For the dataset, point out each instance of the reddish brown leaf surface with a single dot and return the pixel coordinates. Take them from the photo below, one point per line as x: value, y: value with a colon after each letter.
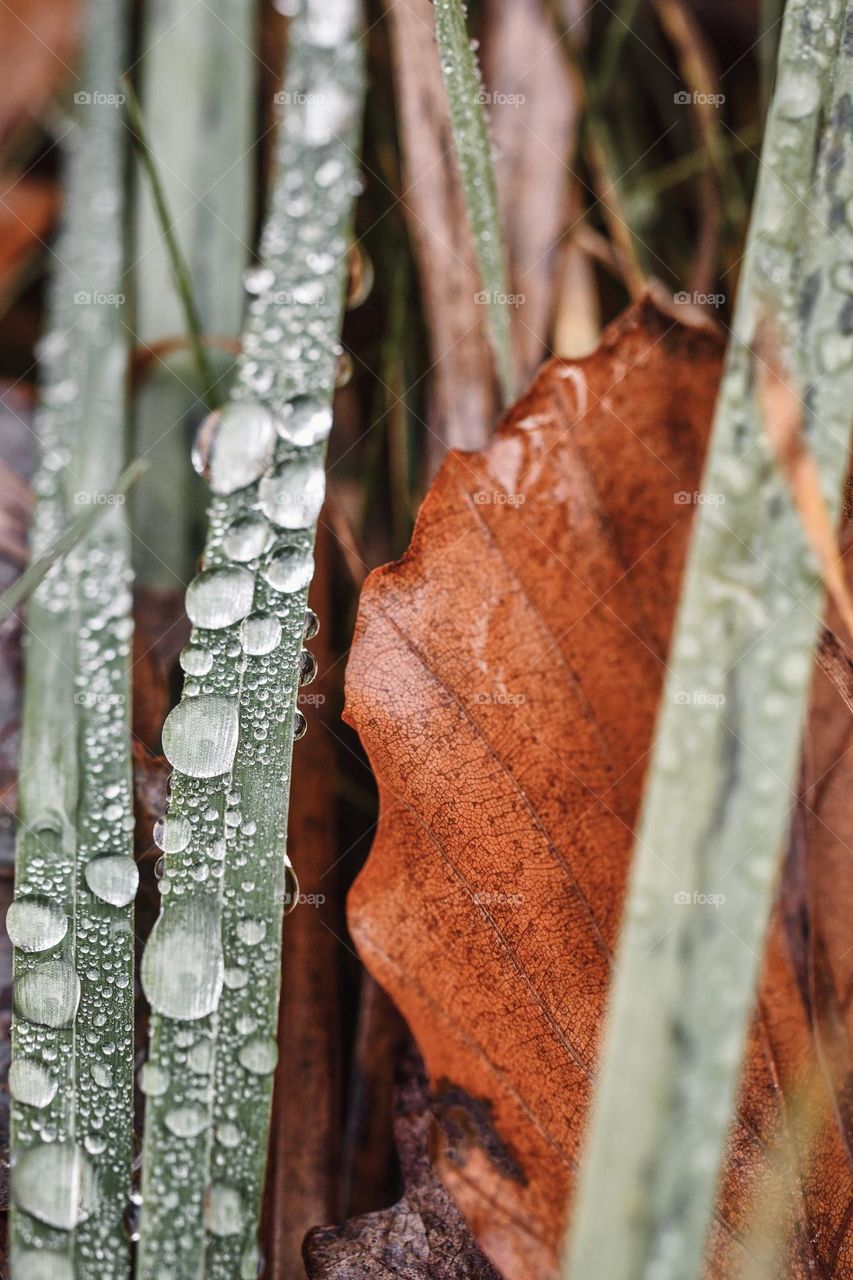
x: 504, y: 680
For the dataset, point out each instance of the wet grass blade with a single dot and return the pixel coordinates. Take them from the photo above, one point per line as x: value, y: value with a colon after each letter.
x: 71, y: 922
x: 465, y: 97
x: 211, y: 966
x: 37, y: 570
x: 196, y: 82
x: 718, y: 798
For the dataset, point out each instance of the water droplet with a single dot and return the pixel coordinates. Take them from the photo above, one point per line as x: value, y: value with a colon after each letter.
x: 360, y: 279
x: 234, y: 446
x: 196, y: 660
x: 95, y: 1143
x: 311, y: 626
x: 101, y: 1075
x: 219, y: 597
x: 182, y: 964
x: 153, y: 1080
x: 224, y: 1212
x: 343, y: 369
x: 258, y: 279
x: 31, y: 1083
x: 798, y: 96
x: 113, y: 879
x: 48, y: 994
x: 259, y: 1056
x: 292, y: 495
x: 305, y: 421
x: 55, y: 1184
x: 307, y: 667
x: 200, y: 736
x: 172, y: 833
x: 290, y: 567
x: 300, y: 726
x: 186, y: 1122
x: 228, y: 1135
x: 251, y: 931
x: 34, y: 923
x: 246, y: 539
x: 42, y: 1264
x: 260, y: 633
x: 200, y: 1057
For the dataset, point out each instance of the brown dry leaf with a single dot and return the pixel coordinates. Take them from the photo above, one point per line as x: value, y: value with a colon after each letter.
x: 422, y: 1237
x: 38, y: 41
x: 29, y: 208
x: 504, y: 680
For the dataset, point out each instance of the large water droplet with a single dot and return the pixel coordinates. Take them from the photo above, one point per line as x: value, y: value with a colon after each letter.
x: 259, y: 1056
x: 200, y: 735
x: 219, y: 597
x: 182, y: 965
x: 113, y: 879
x: 235, y: 446
x: 292, y: 495
x: 260, y: 633
x: 41, y: 1264
x: 172, y: 833
x: 48, y: 994
x: 55, y: 1183
x: 153, y: 1080
x: 305, y: 421
x: 311, y: 626
x: 196, y: 660
x: 34, y: 923
x: 246, y: 539
x: 251, y: 931
x: 186, y: 1122
x: 290, y: 567
x: 224, y: 1213
x: 31, y: 1083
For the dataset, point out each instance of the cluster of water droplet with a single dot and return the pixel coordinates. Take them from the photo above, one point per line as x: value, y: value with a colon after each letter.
x: 211, y: 967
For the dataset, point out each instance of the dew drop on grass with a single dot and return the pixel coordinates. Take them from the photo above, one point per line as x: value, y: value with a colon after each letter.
x: 219, y: 597
x: 290, y: 567
x: 260, y: 633
x: 311, y: 626
x: 186, y: 1122
x: 172, y: 833
x: 305, y: 421
x: 258, y: 279
x: 113, y: 879
x: 251, y: 931
x: 228, y: 1135
x: 41, y: 1264
x: 34, y: 923
x: 102, y: 1075
x: 48, y: 994
x: 292, y: 495
x: 200, y: 1057
x: 54, y: 1183
x: 31, y: 1083
x: 196, y: 660
x: 153, y: 1080
x: 259, y: 1056
x: 307, y: 667
x: 224, y: 1212
x: 244, y: 540
x: 200, y: 735
x: 234, y: 446
x: 182, y: 964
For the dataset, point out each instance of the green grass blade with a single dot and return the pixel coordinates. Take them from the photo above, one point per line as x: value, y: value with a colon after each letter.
x: 68, y: 538
x: 211, y: 967
x: 465, y: 96
x: 71, y: 1075
x: 197, y: 89
x: 718, y: 799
